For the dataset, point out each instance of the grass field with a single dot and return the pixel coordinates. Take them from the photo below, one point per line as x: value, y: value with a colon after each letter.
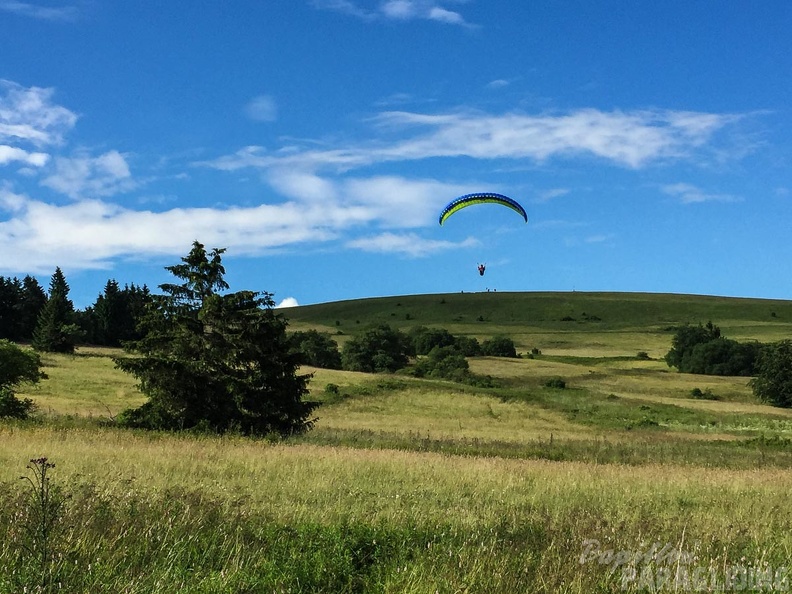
x: 613, y: 484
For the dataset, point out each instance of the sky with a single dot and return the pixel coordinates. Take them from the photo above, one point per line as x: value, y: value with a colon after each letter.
x: 317, y: 141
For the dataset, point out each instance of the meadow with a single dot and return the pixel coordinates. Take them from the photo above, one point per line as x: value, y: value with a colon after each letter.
x: 621, y: 481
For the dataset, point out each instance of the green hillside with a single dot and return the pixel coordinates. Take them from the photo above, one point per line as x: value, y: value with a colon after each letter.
x: 548, y: 310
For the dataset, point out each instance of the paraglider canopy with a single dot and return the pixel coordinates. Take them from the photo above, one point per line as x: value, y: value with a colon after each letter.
x: 481, y: 198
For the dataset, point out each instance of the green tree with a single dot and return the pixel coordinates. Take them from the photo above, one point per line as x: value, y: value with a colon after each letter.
x: 378, y: 349
x: 445, y: 362
x: 10, y: 298
x: 17, y: 366
x: 110, y: 313
x: 468, y: 345
x: 702, y: 349
x: 55, y: 329
x: 316, y: 349
x: 214, y: 361
x: 33, y: 301
x: 424, y: 339
x: 499, y: 346
x: 773, y: 381
x: 686, y: 338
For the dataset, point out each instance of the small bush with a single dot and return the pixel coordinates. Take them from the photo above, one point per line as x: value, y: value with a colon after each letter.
x: 555, y: 382
x: 642, y: 356
x: 705, y: 395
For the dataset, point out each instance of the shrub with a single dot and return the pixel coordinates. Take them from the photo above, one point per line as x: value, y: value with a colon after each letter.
x: 499, y: 346
x: 443, y: 362
x: 380, y: 348
x: 555, y: 382
x: 703, y: 395
x: 17, y: 366
x: 424, y: 339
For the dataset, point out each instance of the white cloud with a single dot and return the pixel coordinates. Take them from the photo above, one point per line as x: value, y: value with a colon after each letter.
x: 548, y: 195
x: 343, y: 6
x: 498, y: 83
x: 409, y: 244
x: 302, y: 185
x: 9, y: 154
x: 262, y: 109
x: 396, y: 10
x: 389, y: 201
x: 690, y: 194
x: 90, y: 233
x: 28, y: 115
x: 85, y: 176
x: 629, y: 139
x: 442, y: 15
x: 399, y: 9
x: 599, y: 238
x: 287, y: 302
x: 63, y: 13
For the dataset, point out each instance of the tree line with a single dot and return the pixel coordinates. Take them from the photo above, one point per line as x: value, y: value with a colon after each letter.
x: 703, y: 350
x: 423, y: 351
x: 50, y: 322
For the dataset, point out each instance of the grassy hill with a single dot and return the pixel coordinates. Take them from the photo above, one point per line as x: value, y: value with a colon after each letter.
x: 546, y: 310
x: 418, y: 485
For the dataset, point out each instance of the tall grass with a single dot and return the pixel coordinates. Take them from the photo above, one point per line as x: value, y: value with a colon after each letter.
x: 175, y: 514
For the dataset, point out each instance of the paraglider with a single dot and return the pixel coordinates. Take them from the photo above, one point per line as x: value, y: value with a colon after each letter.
x: 481, y: 198
x: 461, y: 202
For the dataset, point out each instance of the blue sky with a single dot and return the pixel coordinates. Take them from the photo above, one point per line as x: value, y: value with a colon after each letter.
x: 317, y: 140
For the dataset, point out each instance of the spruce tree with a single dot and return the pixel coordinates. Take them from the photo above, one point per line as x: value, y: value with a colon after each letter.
x: 55, y: 329
x: 214, y: 361
x: 33, y: 300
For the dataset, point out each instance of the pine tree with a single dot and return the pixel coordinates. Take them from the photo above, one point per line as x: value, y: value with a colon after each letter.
x: 33, y: 300
x: 110, y: 313
x: 214, y: 361
x: 55, y: 329
x: 10, y: 298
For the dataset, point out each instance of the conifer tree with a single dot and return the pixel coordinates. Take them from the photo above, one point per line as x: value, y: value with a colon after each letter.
x: 215, y: 361
x: 55, y: 329
x: 33, y: 300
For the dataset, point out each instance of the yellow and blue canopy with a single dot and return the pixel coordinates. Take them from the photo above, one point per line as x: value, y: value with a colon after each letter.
x: 481, y: 198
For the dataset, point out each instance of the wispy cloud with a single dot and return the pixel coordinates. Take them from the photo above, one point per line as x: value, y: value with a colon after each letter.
x: 548, y: 195
x: 47, y: 13
x: 690, y: 194
x: 27, y: 115
x: 85, y: 176
x: 396, y: 10
x: 408, y: 244
x: 599, y: 238
x: 630, y: 139
x: 262, y: 109
x: 498, y: 83
x: 91, y: 233
x: 9, y: 154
